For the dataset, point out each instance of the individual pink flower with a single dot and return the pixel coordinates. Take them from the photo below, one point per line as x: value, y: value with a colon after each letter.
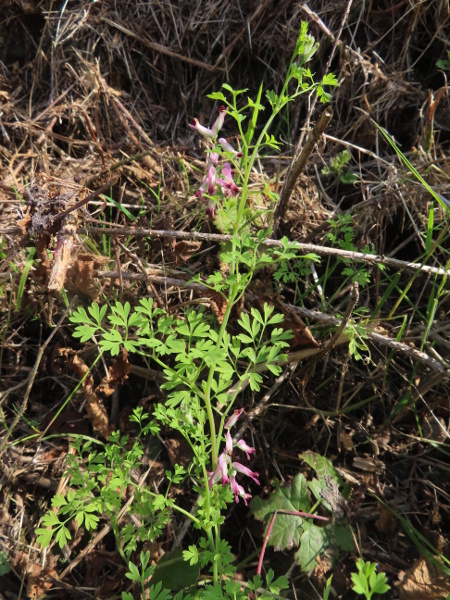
x: 245, y: 471
x: 210, y: 209
x: 221, y: 471
x: 207, y: 187
x: 229, y: 443
x: 210, y: 133
x: 204, y: 131
x: 229, y: 148
x: 234, y: 417
x: 226, y: 182
x: 213, y: 159
x: 242, y: 445
x: 208, y: 183
x: 218, y: 123
x: 239, y: 492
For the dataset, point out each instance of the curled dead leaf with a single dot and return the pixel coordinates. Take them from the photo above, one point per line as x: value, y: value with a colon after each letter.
x: 94, y: 406
x: 218, y: 305
x: 185, y: 249
x: 117, y: 374
x: 81, y: 274
x: 302, y: 335
x: 39, y: 580
x: 423, y: 581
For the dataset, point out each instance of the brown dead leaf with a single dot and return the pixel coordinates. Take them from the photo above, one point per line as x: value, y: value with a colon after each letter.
x: 185, y: 249
x: 387, y: 522
x: 423, y: 581
x: 302, y: 335
x: 39, y: 580
x: 95, y: 567
x: 94, y: 406
x: 118, y: 372
x: 81, y: 274
x: 179, y: 451
x: 24, y: 223
x: 368, y: 463
x: 346, y: 440
x: 218, y: 305
x: 324, y: 564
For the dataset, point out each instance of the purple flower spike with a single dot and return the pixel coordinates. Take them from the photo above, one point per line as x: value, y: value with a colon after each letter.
x: 242, y: 445
x: 229, y: 148
x: 245, y: 471
x: 234, y: 417
x: 226, y: 470
x: 204, y: 131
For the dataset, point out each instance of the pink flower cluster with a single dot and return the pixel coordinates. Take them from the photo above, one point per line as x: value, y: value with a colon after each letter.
x: 227, y: 469
x: 216, y: 175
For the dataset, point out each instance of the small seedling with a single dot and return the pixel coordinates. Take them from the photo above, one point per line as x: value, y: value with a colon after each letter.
x: 339, y: 166
x: 366, y: 582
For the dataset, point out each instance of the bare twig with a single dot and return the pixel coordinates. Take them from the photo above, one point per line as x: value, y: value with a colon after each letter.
x: 353, y: 300
x: 83, y: 202
x: 298, y: 164
x: 159, y: 48
x: 377, y: 338
x: 371, y: 259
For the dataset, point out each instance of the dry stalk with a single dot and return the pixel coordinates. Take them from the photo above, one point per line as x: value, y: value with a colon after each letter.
x: 298, y: 164
x: 371, y: 259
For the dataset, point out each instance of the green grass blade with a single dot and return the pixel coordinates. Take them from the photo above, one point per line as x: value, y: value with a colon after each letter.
x: 413, y: 170
x: 24, y: 277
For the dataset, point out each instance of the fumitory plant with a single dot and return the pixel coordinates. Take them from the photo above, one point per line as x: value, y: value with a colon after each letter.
x: 206, y: 364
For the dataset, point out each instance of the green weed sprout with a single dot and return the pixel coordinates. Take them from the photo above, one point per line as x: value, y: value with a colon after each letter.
x: 366, y: 582
x: 339, y: 166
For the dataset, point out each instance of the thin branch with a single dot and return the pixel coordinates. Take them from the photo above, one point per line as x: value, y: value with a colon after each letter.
x: 371, y: 259
x: 298, y: 164
x: 296, y: 168
x: 81, y: 203
x: 352, y: 302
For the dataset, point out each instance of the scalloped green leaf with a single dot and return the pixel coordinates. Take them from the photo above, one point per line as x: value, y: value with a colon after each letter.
x: 287, y: 529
